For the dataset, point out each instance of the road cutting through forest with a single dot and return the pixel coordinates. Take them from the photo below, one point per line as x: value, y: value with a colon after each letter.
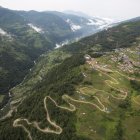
x: 57, y: 129
x: 13, y: 108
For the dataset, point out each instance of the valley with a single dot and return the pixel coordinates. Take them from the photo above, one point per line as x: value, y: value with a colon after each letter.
x: 85, y: 90
x: 21, y: 32
x: 89, y: 94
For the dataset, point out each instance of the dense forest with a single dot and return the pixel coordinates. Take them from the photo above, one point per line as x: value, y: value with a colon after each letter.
x: 60, y: 80
x: 121, y: 36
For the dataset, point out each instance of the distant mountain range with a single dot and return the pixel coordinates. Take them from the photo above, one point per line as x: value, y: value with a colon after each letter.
x: 59, y: 26
x: 24, y: 36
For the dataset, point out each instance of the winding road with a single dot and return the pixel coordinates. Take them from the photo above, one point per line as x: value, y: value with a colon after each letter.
x: 57, y: 129
x: 114, y: 81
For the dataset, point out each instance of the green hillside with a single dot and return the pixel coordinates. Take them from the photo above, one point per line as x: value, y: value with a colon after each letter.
x: 27, y: 36
x: 53, y: 26
x: 18, y: 49
x: 24, y: 36
x: 88, y: 90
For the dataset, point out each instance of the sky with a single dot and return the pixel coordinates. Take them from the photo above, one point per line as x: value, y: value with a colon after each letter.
x: 114, y: 9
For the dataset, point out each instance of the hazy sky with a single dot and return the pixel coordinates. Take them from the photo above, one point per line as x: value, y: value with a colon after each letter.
x: 116, y: 9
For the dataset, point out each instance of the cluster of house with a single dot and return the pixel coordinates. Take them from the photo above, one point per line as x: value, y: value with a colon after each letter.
x: 125, y: 64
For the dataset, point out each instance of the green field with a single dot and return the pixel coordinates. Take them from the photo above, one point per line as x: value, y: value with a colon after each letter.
x: 95, y: 124
x: 1, y: 98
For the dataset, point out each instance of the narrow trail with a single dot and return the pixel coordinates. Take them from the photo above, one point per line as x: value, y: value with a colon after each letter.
x: 119, y: 96
x: 114, y: 81
x: 103, y: 108
x: 130, y: 78
x: 13, y: 108
x: 15, y: 124
x: 58, y: 130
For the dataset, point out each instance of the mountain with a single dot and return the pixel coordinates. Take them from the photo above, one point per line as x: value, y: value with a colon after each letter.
x: 64, y: 25
x: 83, y: 91
x: 84, y: 25
x: 20, y: 45
x: 26, y: 35
x: 52, y: 25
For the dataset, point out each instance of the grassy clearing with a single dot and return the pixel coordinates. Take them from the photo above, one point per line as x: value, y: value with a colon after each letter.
x: 98, y: 125
x: 132, y: 128
x: 136, y: 102
x: 1, y: 98
x: 95, y: 124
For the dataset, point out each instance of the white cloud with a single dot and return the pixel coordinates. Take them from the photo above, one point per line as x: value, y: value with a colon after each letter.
x: 4, y: 33
x: 37, y: 29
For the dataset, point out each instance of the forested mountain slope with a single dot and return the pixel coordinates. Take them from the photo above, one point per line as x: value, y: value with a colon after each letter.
x: 88, y: 90
x: 121, y: 36
x: 24, y: 36
x: 61, y: 26
x: 83, y: 26
x: 20, y: 45
x: 52, y: 25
